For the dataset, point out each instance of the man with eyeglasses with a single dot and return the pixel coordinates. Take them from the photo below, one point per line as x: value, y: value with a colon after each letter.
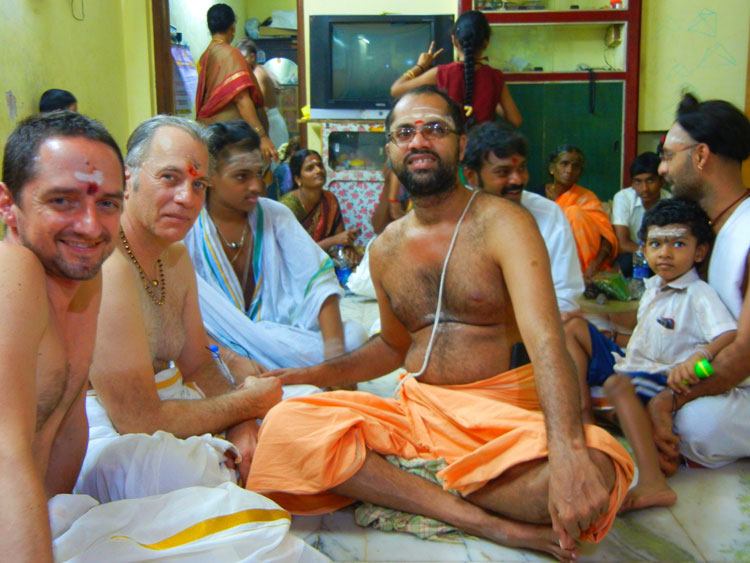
x: 523, y: 478
x: 629, y: 205
x: 702, y: 159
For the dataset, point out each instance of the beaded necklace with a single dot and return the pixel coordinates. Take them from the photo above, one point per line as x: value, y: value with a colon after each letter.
x: 148, y: 284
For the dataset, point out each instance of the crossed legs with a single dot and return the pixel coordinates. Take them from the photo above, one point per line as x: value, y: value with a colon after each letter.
x: 519, y: 495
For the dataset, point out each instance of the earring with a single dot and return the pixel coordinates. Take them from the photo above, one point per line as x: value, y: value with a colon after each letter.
x: 700, y: 166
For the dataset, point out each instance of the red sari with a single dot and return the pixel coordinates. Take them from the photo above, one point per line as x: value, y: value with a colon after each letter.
x: 322, y: 221
x: 222, y: 75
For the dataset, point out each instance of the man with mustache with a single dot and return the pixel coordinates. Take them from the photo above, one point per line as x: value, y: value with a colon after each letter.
x: 495, y: 161
x: 525, y: 479
x: 702, y: 160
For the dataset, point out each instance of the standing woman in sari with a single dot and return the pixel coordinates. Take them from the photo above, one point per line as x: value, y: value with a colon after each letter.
x: 318, y: 209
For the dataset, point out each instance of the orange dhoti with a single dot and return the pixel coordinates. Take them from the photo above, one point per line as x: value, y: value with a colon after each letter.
x: 311, y: 444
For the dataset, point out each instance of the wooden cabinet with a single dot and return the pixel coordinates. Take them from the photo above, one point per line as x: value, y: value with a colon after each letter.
x: 574, y: 75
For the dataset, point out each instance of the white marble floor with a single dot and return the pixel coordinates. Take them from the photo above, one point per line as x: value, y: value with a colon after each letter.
x: 710, y: 522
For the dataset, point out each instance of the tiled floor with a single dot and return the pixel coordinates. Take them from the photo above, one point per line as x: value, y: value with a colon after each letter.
x: 710, y: 522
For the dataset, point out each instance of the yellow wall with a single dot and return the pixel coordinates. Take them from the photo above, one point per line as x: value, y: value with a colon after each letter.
x: 262, y: 9
x: 138, y: 43
x: 691, y: 44
x: 44, y: 46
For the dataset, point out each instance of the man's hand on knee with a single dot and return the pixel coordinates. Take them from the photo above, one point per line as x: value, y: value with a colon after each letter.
x: 245, y: 438
x: 578, y: 494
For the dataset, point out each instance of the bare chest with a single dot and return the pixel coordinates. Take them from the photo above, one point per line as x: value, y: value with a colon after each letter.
x: 164, y: 324
x: 473, y: 293
x: 63, y: 362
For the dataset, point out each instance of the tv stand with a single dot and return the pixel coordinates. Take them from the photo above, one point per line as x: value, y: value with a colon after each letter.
x: 348, y: 114
x: 353, y: 152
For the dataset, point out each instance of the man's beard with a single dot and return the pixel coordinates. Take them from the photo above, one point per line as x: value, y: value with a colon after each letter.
x: 440, y: 180
x: 57, y: 265
x: 688, y: 190
x: 688, y: 186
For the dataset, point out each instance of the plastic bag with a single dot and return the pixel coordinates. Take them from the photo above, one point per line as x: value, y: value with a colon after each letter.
x: 613, y: 284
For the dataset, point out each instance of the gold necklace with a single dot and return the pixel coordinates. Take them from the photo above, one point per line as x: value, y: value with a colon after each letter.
x: 234, y: 245
x: 148, y: 284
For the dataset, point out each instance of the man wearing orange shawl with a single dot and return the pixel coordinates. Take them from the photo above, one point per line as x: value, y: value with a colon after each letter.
x: 527, y: 472
x: 226, y: 88
x: 595, y: 238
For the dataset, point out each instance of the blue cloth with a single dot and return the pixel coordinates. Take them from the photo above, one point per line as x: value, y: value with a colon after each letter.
x: 602, y: 362
x: 647, y: 384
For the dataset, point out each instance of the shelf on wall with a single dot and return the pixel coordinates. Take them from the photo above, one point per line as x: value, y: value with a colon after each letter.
x: 537, y: 48
x: 519, y: 6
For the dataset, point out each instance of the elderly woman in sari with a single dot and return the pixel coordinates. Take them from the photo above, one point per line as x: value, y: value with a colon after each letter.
x: 266, y: 290
x: 316, y: 208
x: 595, y: 238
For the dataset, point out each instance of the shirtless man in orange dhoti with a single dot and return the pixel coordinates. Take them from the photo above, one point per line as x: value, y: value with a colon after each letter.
x: 528, y: 472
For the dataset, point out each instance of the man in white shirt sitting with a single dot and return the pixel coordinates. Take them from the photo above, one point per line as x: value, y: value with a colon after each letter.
x: 631, y: 203
x: 495, y: 161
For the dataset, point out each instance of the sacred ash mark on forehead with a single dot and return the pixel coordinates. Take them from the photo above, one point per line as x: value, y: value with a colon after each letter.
x: 424, y: 114
x: 667, y: 232
x: 244, y: 159
x: 93, y: 179
x: 677, y: 135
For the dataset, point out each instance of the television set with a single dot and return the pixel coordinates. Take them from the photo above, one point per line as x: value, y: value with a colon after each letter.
x: 355, y: 59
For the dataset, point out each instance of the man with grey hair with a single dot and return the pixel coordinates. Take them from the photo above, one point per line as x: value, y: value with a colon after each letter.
x: 61, y: 197
x: 152, y: 368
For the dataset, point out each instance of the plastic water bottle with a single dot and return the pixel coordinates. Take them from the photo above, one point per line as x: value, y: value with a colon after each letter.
x: 640, y: 273
x: 343, y: 268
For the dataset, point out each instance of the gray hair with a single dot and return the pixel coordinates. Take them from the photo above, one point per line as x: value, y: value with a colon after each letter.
x: 140, y: 139
x: 247, y: 46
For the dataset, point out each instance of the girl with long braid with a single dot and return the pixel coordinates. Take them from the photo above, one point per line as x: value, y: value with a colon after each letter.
x: 478, y: 87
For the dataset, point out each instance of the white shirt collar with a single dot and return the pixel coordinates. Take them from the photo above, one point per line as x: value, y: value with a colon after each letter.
x: 678, y: 283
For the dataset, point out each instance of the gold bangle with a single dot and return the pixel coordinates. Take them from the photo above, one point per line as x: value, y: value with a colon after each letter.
x: 409, y: 74
x: 260, y: 131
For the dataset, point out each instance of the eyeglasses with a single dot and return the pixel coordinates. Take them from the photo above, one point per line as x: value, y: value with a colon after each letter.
x: 667, y: 156
x: 432, y: 131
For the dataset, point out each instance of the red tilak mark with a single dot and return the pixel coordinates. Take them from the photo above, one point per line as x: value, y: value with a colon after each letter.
x: 92, y: 189
x: 192, y: 171
x: 418, y: 121
x: 515, y: 160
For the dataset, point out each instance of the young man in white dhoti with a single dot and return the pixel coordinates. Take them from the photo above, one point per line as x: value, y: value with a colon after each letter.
x: 266, y: 289
x: 61, y: 198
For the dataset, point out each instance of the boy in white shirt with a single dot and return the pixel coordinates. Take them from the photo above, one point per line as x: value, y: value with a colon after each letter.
x: 681, y: 323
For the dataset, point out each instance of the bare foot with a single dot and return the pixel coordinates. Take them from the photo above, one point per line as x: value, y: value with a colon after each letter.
x: 644, y: 496
x: 529, y: 536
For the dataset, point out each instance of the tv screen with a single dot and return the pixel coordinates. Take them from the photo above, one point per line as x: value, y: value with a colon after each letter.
x: 355, y: 59
x: 367, y: 57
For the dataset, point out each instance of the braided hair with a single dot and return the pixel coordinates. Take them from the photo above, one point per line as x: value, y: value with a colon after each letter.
x: 471, y: 31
